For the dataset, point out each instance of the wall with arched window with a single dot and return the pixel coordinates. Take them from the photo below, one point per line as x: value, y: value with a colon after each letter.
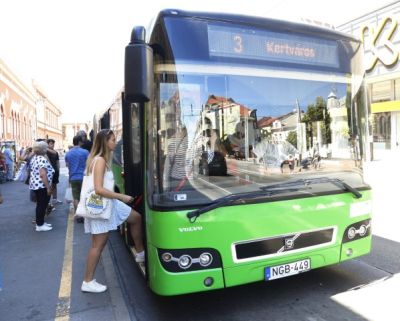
x: 382, y: 133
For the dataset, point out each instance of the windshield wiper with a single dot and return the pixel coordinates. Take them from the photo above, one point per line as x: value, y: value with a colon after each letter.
x: 319, y: 180
x: 264, y: 192
x: 270, y: 190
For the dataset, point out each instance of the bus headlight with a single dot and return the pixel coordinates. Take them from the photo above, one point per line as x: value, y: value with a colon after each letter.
x: 167, y: 257
x: 351, y: 233
x: 205, y: 259
x: 362, y: 230
x: 357, y: 230
x: 183, y: 260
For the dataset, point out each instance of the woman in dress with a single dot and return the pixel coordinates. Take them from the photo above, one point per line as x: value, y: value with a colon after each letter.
x: 41, y: 175
x: 99, y: 163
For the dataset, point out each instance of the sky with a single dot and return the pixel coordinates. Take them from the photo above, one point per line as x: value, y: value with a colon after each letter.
x: 74, y: 49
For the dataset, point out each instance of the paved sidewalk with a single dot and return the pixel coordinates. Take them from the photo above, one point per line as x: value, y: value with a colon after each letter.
x: 383, y: 176
x: 33, y: 278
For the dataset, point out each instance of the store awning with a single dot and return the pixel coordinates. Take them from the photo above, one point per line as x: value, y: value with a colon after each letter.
x: 386, y: 106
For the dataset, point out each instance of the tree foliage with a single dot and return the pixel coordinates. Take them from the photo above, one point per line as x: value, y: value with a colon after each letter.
x: 292, y: 138
x: 317, y: 112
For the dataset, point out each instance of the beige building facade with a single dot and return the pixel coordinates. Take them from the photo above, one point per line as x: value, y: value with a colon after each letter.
x: 48, y: 118
x: 26, y: 112
x: 18, y: 119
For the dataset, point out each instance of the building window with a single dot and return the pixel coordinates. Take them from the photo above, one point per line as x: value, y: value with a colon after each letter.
x: 13, y: 125
x: 18, y: 127
x: 2, y: 123
x: 382, y: 127
x: 397, y: 89
x: 25, y: 130
x: 382, y: 91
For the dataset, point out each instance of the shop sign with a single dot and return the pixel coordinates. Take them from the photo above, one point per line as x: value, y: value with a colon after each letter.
x: 379, y: 44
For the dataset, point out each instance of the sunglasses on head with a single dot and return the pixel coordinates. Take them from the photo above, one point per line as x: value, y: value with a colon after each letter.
x: 107, y: 131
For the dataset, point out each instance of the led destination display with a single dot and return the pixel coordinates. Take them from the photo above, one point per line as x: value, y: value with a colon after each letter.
x: 224, y: 41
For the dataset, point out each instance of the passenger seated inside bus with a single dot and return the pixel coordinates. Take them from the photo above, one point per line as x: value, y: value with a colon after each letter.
x: 175, y: 162
x: 212, y: 156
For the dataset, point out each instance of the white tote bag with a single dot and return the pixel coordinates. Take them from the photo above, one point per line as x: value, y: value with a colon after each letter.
x: 68, y: 195
x: 92, y: 205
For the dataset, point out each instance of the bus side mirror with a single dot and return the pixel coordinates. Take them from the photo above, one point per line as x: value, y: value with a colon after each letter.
x: 138, y: 68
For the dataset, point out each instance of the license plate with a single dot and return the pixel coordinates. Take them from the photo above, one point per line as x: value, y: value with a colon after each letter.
x: 284, y: 270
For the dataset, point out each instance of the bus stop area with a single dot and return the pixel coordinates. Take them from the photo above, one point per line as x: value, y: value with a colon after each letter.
x: 41, y: 272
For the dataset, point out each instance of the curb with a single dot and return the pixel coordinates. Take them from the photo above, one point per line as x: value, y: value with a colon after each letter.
x: 119, y: 307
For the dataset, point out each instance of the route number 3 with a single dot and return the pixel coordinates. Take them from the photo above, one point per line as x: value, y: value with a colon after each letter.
x: 238, y: 44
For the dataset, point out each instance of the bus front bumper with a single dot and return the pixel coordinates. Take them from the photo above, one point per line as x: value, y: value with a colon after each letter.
x: 167, y: 283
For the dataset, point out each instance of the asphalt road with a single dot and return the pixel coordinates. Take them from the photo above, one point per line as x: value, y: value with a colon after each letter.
x: 362, y: 289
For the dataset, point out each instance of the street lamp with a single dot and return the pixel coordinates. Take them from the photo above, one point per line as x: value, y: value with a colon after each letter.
x: 299, y: 131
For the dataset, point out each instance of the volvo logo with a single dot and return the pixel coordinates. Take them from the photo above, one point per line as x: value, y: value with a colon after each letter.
x: 288, y: 243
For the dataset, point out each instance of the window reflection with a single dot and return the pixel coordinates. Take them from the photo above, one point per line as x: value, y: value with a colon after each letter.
x: 238, y: 132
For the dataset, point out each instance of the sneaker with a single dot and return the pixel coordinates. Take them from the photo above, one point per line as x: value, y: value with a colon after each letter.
x: 48, y: 224
x: 140, y: 257
x: 43, y: 228
x: 55, y: 202
x: 93, y: 287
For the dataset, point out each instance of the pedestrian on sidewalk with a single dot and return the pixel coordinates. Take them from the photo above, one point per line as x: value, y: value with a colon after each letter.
x: 55, y: 162
x: 27, y: 156
x: 75, y: 160
x: 99, y: 163
x: 41, y: 176
x: 3, y: 168
x: 86, y: 143
x: 9, y: 159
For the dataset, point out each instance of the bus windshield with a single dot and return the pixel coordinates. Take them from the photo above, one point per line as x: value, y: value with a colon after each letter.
x: 234, y: 127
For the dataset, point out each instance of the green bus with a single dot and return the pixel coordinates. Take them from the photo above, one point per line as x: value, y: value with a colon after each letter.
x: 243, y: 140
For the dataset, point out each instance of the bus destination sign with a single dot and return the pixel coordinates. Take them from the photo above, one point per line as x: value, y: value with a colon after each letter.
x: 246, y: 43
